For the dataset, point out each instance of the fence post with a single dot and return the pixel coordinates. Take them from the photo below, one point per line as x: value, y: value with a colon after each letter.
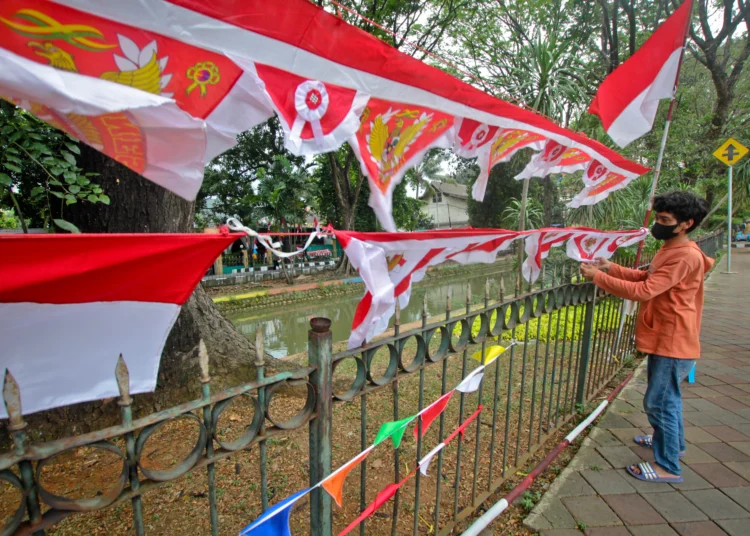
x: 245, y: 259
x: 320, y: 347
x: 583, y: 363
x: 219, y: 266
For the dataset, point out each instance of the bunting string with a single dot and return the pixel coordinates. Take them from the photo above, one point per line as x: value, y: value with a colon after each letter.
x: 275, y: 520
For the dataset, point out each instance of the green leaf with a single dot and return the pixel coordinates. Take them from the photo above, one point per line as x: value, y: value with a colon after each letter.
x: 13, y: 158
x: 56, y: 171
x: 104, y: 199
x: 93, y: 198
x: 83, y: 181
x: 54, y: 182
x: 73, y: 148
x: 11, y: 150
x: 97, y: 190
x: 74, y: 189
x: 37, y: 191
x: 70, y: 199
x: 5, y: 180
x: 67, y: 226
x: 69, y: 157
x: 12, y: 167
x: 59, y: 195
x: 70, y: 177
x: 15, y: 137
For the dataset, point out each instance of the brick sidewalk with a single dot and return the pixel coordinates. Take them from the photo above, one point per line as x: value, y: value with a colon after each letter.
x: 595, y: 495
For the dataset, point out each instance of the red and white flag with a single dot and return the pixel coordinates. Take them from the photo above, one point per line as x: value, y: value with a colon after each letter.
x: 389, y: 263
x: 628, y: 99
x: 590, y: 246
x: 71, y: 304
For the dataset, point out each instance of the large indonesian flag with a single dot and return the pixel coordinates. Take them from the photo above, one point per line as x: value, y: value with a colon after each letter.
x: 628, y: 98
x: 163, y: 86
x: 71, y: 304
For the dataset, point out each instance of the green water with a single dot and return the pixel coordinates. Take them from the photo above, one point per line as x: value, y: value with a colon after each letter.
x: 285, y: 329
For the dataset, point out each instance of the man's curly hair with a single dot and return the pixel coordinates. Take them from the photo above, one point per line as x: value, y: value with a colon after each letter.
x: 683, y: 206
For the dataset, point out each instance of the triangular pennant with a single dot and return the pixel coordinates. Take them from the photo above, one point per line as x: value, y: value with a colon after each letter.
x: 334, y: 484
x: 395, y: 430
x: 430, y: 413
x: 471, y: 382
x: 462, y: 428
x: 379, y: 501
x: 275, y: 520
x: 424, y: 463
x: 490, y: 354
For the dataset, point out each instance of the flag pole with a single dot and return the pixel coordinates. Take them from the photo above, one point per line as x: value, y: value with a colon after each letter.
x: 665, y: 134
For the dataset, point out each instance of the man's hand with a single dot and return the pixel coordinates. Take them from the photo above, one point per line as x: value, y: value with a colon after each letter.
x: 602, y: 264
x: 588, y: 271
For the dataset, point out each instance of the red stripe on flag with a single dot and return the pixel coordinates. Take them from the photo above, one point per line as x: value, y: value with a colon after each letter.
x: 403, y: 285
x: 363, y: 307
x: 84, y: 268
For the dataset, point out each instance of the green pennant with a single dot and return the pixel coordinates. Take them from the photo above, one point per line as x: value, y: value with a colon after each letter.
x: 395, y: 430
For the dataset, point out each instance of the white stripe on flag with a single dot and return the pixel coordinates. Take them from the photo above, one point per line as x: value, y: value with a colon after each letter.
x: 66, y: 354
x: 424, y: 463
x: 472, y: 381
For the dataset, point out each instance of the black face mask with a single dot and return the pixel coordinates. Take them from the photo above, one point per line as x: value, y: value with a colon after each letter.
x: 663, y: 232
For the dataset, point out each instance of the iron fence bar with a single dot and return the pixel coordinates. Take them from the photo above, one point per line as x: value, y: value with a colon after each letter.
x: 262, y: 446
x: 507, y: 403
x: 126, y: 411
x: 480, y: 397
x: 320, y: 345
x: 546, y: 361
x: 523, y: 391
x: 417, y: 477
x: 441, y: 433
x: 363, y: 445
x: 600, y: 312
x: 210, y: 467
x: 498, y: 319
x: 554, y: 369
x: 562, y: 359
x: 536, y: 367
x: 585, y: 352
x: 461, y: 407
x: 615, y: 304
x: 396, y: 452
x: 568, y: 378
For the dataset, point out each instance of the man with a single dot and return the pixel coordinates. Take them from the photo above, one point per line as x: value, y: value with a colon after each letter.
x: 668, y: 325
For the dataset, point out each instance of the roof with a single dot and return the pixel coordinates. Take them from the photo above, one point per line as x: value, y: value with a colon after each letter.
x: 451, y: 190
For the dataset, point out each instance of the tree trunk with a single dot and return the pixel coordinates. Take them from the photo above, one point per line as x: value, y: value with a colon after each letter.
x: 140, y: 206
x: 548, y: 200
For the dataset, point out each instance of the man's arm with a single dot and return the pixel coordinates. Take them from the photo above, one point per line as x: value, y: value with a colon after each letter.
x: 663, y: 278
x: 626, y: 274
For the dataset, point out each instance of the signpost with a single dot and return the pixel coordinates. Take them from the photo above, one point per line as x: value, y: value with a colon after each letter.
x: 730, y: 153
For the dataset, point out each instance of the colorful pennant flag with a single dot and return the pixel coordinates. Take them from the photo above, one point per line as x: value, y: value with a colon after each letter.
x: 587, y: 247
x: 461, y: 429
x: 431, y: 412
x: 395, y: 430
x: 472, y: 381
x: 424, y: 463
x: 334, y: 484
x: 275, y: 520
x: 490, y: 354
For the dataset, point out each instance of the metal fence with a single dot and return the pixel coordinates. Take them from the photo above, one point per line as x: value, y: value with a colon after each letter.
x: 567, y: 341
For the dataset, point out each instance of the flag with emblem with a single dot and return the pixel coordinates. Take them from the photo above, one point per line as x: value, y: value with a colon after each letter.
x: 587, y: 247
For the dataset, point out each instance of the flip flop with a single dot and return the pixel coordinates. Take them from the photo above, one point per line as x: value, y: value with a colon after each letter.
x: 648, y: 442
x: 648, y: 474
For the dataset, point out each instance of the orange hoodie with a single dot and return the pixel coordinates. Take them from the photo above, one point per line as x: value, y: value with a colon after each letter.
x: 671, y: 296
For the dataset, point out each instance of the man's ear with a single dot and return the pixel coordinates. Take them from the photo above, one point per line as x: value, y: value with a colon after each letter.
x: 688, y: 224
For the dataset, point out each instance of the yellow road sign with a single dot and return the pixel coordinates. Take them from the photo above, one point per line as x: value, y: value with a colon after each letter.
x: 731, y: 152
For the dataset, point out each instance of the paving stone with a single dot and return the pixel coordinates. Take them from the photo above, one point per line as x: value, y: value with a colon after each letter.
x: 732, y: 390
x: 592, y: 511
x: 742, y: 413
x: 619, y: 457
x: 557, y: 515
x: 633, y: 509
x: 652, y: 530
x: 742, y: 446
x: 604, y: 438
x: 644, y: 453
x: 723, y: 453
x: 739, y: 495
x: 704, y: 528
x: 639, y: 420
x: 702, y: 419
x: 696, y: 454
x: 611, y: 420
x: 743, y: 429
x: 621, y: 407
x: 741, y: 468
x: 717, y: 505
x: 609, y: 482
x: 608, y: 531
x: 626, y: 435
x: 674, y: 507
x: 561, y: 532
x: 536, y: 521
x: 726, y: 433
x: 708, y: 381
x: 643, y: 487
x: 704, y: 392
x: 691, y: 480
x: 573, y: 486
x: 586, y: 458
x: 734, y: 527
x: 697, y: 435
x: 732, y: 379
x: 724, y: 416
x: 728, y: 403
x: 719, y: 475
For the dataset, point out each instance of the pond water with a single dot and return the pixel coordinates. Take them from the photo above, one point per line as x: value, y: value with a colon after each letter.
x: 285, y: 329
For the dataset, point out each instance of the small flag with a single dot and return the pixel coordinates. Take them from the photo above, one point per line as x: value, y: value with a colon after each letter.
x: 472, y: 381
x: 395, y: 430
x: 461, y: 429
x: 275, y: 520
x: 379, y: 501
x: 490, y: 354
x: 431, y: 412
x: 334, y: 484
x: 424, y: 463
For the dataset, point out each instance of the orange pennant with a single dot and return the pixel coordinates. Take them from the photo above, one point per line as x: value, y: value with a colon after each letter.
x: 334, y: 484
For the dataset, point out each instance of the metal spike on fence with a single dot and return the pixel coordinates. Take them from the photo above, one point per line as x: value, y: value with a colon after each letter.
x: 397, y: 314
x: 502, y: 288
x: 554, y: 276
x: 544, y: 275
x: 259, y: 350
x: 123, y: 381
x: 487, y: 289
x: 203, y: 361
x: 12, y: 399
x: 448, y: 300
x: 468, y: 294
x: 424, y: 305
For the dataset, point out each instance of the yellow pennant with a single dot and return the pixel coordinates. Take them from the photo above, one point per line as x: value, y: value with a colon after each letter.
x: 490, y: 354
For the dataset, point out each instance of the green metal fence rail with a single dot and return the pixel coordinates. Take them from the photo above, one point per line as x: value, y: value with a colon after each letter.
x: 570, y: 342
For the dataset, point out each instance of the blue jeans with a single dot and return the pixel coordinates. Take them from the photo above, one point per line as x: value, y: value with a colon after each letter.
x: 663, y: 405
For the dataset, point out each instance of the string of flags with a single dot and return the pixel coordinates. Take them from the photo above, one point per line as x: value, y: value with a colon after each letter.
x: 275, y: 520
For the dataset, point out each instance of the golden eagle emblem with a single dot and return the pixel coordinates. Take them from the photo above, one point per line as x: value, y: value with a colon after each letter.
x: 390, y: 138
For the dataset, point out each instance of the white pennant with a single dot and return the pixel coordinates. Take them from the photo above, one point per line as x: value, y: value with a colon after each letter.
x: 472, y: 381
x: 424, y: 463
